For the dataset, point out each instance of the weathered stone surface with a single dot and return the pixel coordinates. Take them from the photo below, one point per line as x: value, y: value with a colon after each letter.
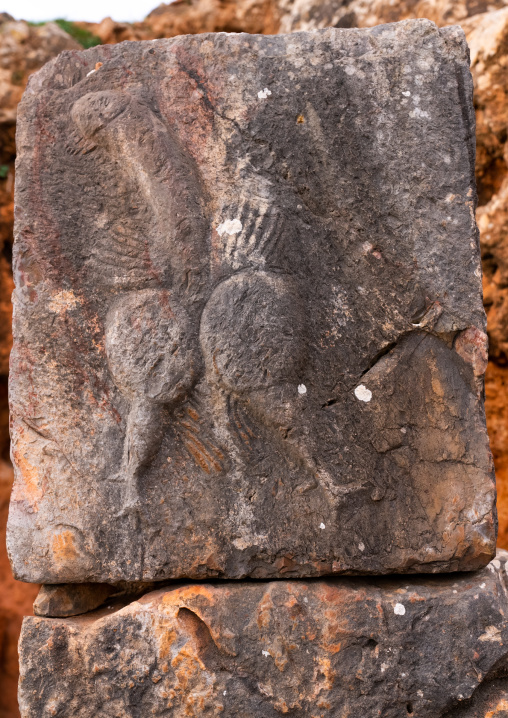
x: 249, y: 330
x: 71, y: 599
x: 424, y: 646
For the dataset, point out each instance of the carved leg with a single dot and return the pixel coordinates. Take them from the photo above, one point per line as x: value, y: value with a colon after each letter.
x: 145, y: 428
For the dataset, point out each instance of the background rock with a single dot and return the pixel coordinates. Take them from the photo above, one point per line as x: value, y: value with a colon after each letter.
x: 430, y: 647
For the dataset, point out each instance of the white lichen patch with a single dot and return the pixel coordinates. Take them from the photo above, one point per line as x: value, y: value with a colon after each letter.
x: 492, y: 634
x: 302, y: 389
x: 399, y: 609
x: 263, y: 94
x: 362, y: 393
x: 63, y: 301
x: 230, y: 226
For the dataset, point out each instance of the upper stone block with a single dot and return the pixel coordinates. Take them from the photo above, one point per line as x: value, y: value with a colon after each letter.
x: 249, y: 335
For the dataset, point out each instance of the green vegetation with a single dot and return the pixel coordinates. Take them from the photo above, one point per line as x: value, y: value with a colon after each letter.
x: 84, y: 37
x: 4, y: 171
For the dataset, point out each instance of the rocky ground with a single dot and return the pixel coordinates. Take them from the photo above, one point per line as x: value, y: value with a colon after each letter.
x: 25, y: 48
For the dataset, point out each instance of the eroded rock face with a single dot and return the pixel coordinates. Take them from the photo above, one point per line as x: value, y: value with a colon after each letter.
x: 428, y: 647
x: 249, y: 330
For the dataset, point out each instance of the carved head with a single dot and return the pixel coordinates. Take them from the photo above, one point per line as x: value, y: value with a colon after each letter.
x: 94, y: 111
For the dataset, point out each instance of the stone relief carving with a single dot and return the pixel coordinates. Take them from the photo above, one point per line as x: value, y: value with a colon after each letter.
x: 243, y: 314
x: 150, y: 335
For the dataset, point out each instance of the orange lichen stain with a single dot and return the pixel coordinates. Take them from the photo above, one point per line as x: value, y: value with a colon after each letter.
x: 329, y: 594
x: 196, y: 456
x: 331, y: 647
x: 323, y: 703
x: 281, y: 706
x: 437, y: 386
x: 415, y: 598
x: 501, y: 707
x: 64, y: 548
x: 28, y: 486
x: 264, y: 610
x: 325, y: 668
x: 202, y: 455
x: 182, y: 596
x: 193, y: 413
x: 166, y: 638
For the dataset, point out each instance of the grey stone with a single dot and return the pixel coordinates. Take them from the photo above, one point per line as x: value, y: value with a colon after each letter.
x: 429, y: 646
x: 70, y: 599
x: 249, y: 335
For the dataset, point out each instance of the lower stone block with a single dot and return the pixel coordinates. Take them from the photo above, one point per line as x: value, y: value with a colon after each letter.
x: 430, y: 647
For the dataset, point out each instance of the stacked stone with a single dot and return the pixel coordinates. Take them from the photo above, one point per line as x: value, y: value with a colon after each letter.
x: 250, y: 344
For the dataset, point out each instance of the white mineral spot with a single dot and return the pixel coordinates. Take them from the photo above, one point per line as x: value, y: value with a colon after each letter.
x: 362, y: 393
x: 421, y: 114
x: 224, y: 693
x: 265, y: 653
x: 305, y: 600
x: 302, y: 389
x: 91, y: 73
x: 263, y: 94
x: 230, y: 226
x: 384, y: 666
x: 399, y: 609
x: 482, y: 585
x: 419, y: 694
x: 493, y: 634
x: 322, y: 526
x: 454, y: 590
x: 361, y: 546
x: 350, y: 70
x: 496, y: 563
x: 406, y: 93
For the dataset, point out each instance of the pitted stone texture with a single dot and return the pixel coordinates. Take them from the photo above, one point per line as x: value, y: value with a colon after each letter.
x: 423, y: 646
x: 249, y: 336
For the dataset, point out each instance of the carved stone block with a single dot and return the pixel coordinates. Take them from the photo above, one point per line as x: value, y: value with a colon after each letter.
x: 249, y: 335
x: 430, y: 647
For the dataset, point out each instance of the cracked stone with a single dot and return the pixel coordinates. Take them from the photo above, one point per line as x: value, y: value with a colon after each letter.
x: 309, y: 647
